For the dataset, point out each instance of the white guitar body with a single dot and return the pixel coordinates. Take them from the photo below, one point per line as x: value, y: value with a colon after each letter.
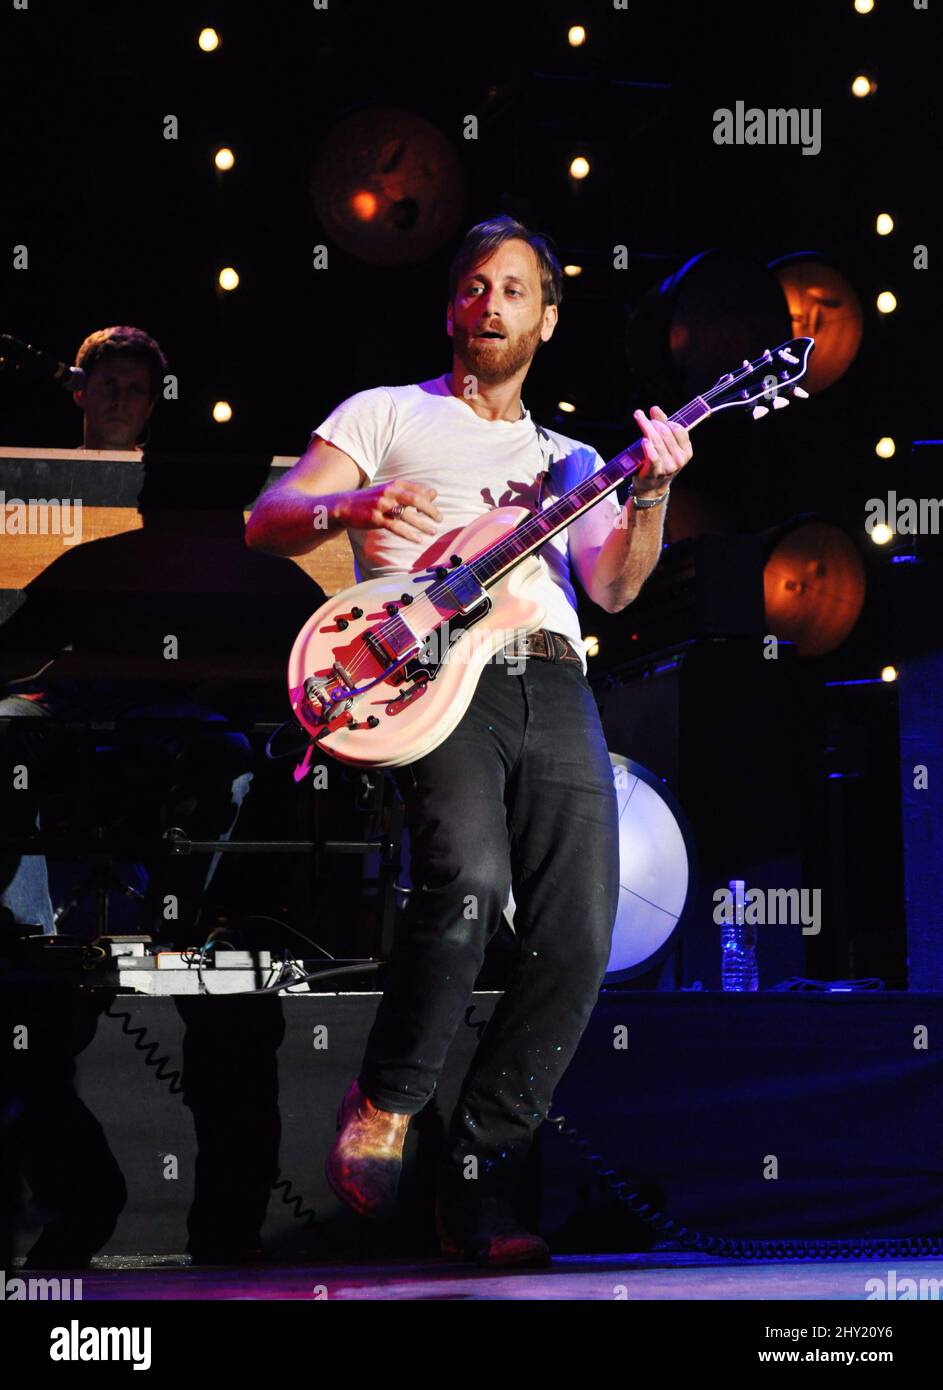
x: 384, y: 671
x: 413, y: 715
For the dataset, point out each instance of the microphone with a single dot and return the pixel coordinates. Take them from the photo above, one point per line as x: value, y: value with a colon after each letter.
x: 38, y: 363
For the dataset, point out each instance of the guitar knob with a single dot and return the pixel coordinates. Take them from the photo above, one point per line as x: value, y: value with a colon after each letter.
x: 342, y: 623
x: 356, y: 612
x: 441, y: 572
x: 455, y: 560
x: 406, y: 599
x: 372, y: 721
x: 391, y: 609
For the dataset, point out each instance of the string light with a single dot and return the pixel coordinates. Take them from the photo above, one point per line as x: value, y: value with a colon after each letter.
x: 228, y: 278
x: 863, y: 86
x: 222, y: 412
x: 209, y: 40
x: 884, y: 224
x: 886, y: 302
x: 224, y: 159
x: 881, y: 534
x: 579, y: 167
x: 576, y: 35
x: 885, y: 448
x: 888, y: 673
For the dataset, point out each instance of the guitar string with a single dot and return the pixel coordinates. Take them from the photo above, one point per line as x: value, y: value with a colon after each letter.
x: 435, y: 592
x: 426, y: 612
x: 503, y: 548
x: 387, y: 628
x: 506, y: 548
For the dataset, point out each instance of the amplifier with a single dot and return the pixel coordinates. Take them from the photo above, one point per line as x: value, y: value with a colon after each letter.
x: 720, y: 723
x: 706, y: 586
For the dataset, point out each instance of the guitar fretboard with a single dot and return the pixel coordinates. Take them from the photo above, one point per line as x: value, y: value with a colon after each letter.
x: 536, y: 530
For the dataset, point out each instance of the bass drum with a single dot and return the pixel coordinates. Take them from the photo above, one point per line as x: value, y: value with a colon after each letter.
x: 657, y: 877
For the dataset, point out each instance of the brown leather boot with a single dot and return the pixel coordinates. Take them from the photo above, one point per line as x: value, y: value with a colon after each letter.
x: 364, y: 1164
x: 486, y: 1231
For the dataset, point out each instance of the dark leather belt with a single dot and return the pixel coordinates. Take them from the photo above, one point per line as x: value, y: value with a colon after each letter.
x: 547, y: 646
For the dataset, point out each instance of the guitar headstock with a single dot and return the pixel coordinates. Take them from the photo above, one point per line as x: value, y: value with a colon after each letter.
x: 768, y: 381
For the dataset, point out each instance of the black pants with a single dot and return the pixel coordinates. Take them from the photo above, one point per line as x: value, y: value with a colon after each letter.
x: 521, y: 792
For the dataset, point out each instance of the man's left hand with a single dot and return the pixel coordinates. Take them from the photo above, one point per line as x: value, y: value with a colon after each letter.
x: 667, y: 450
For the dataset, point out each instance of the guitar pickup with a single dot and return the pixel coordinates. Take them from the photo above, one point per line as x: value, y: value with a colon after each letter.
x: 383, y: 652
x: 393, y: 648
x: 463, y: 587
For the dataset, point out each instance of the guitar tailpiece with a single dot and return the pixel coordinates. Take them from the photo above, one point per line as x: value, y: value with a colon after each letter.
x: 323, y: 702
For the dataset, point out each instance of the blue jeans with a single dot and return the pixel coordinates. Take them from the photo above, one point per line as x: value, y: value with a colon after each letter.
x: 520, y: 794
x: 211, y: 778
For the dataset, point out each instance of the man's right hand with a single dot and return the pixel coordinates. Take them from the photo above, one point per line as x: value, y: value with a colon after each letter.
x: 324, y: 494
x: 370, y: 508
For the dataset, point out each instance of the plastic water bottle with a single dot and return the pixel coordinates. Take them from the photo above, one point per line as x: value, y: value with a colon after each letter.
x: 738, y: 970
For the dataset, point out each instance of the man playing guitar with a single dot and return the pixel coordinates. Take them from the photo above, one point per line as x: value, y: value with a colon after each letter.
x: 520, y: 793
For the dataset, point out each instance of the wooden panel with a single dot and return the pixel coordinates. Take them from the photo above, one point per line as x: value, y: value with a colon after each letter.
x: 106, y: 479
x: 22, y: 558
x: 331, y: 565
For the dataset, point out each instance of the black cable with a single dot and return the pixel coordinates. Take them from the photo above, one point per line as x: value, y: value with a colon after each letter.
x: 292, y: 752
x: 294, y: 1201
x: 799, y: 984
x: 625, y: 1191
x: 282, y: 1186
x: 137, y: 1035
x: 314, y: 975
x: 844, y: 1248
x: 629, y: 1193
x: 277, y: 922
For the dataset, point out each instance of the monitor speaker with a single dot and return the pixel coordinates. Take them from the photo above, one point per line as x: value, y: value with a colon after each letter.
x: 718, y: 720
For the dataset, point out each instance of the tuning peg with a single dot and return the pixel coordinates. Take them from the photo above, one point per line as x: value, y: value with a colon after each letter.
x: 798, y: 391
x: 746, y: 361
x: 759, y: 411
x: 779, y: 402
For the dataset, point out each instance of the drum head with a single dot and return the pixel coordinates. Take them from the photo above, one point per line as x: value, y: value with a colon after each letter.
x: 656, y: 871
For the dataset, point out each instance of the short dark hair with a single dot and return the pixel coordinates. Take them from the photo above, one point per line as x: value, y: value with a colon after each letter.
x: 124, y: 342
x: 484, y: 238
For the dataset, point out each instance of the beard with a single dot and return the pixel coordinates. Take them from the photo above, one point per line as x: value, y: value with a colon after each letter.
x: 498, y: 362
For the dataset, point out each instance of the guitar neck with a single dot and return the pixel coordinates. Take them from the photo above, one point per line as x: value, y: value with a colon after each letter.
x: 493, y: 563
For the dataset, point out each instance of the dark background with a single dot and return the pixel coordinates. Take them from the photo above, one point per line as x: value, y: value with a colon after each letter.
x: 124, y: 226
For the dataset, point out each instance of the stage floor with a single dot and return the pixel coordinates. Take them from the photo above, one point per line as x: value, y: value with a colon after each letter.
x: 635, y: 1278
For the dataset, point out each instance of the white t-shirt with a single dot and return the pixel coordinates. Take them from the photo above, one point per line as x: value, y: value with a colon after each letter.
x: 423, y: 434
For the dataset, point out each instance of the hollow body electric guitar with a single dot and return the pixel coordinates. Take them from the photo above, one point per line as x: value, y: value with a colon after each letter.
x: 383, y: 672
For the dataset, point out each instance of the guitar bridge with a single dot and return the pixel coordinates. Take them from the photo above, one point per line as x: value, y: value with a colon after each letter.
x: 386, y: 655
x: 320, y: 698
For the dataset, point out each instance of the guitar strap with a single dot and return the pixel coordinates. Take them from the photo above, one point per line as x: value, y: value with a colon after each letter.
x: 548, y: 454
